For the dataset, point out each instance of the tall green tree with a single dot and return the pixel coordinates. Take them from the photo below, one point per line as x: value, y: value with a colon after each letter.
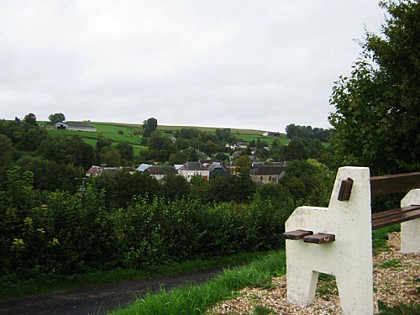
x: 149, y: 126
x: 377, y: 116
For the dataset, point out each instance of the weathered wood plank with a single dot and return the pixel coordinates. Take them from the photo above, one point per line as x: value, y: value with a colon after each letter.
x: 297, y: 234
x: 345, y: 189
x: 395, y: 216
x: 382, y: 185
x: 319, y: 238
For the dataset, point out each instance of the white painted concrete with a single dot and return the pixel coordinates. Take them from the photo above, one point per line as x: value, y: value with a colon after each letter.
x: 410, y: 230
x: 349, y: 258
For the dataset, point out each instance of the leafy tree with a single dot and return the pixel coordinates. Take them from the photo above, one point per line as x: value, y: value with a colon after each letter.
x: 67, y: 150
x: 149, y: 126
x: 178, y: 157
x: 377, y: 116
x: 243, y: 163
x: 309, y: 182
x: 110, y: 156
x: 304, y: 132
x: 126, y: 151
x: 175, y: 186
x: 6, y: 151
x: 30, y: 118
x: 224, y: 134
x: 57, y: 117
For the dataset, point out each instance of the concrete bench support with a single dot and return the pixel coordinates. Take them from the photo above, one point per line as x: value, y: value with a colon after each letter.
x: 348, y: 258
x: 410, y: 230
x: 347, y: 253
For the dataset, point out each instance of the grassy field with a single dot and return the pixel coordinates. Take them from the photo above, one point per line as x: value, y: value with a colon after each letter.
x: 121, y: 132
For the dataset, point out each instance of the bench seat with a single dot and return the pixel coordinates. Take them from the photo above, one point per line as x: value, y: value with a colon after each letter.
x: 389, y: 217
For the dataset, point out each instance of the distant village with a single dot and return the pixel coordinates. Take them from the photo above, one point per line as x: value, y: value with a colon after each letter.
x: 204, y: 169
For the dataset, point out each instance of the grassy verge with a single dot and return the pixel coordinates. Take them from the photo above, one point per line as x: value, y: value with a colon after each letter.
x: 9, y: 287
x: 198, y: 298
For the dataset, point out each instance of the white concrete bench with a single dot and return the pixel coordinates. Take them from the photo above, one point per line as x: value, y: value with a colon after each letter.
x: 338, y: 240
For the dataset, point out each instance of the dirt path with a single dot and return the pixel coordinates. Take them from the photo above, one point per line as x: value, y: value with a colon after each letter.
x: 97, y: 300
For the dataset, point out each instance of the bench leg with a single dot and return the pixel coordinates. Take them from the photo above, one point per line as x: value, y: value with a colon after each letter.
x: 410, y: 236
x: 356, y: 292
x: 410, y: 230
x: 301, y: 285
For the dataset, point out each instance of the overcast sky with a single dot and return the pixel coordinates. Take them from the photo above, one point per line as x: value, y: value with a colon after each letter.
x: 237, y: 64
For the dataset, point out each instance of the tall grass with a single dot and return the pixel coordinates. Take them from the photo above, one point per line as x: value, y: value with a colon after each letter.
x: 197, y: 299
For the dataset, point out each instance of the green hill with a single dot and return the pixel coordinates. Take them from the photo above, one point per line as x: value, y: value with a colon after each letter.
x: 131, y: 133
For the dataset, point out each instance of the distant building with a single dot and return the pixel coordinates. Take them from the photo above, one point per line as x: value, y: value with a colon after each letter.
x: 75, y: 126
x: 159, y: 172
x: 191, y: 169
x: 204, y: 169
x: 100, y: 170
x: 267, y: 174
x: 271, y: 134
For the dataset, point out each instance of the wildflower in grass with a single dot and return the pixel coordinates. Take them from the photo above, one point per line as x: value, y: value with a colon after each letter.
x: 55, y: 242
x: 28, y: 221
x: 40, y: 230
x: 18, y: 243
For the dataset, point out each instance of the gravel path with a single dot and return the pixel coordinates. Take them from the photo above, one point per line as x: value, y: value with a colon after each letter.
x: 97, y: 300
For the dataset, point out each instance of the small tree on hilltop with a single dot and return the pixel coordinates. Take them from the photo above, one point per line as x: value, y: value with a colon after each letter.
x: 57, y: 117
x: 30, y: 119
x: 149, y: 126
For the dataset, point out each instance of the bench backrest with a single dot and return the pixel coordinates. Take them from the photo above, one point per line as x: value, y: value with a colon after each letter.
x: 383, y: 185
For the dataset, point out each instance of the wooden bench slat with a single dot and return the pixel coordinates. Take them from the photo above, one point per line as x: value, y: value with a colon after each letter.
x: 387, y: 213
x: 297, y: 234
x: 395, y: 218
x: 319, y: 238
x: 382, y: 185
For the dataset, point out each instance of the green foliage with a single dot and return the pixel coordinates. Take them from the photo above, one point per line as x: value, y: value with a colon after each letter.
x: 67, y: 150
x: 57, y: 117
x: 174, y: 186
x: 149, y: 126
x: 400, y: 309
x: 308, y: 182
x: 30, y: 118
x: 377, y: 114
x: 392, y: 263
x: 307, y: 132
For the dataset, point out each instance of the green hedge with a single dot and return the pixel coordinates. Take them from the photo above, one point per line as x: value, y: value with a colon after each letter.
x: 62, y: 233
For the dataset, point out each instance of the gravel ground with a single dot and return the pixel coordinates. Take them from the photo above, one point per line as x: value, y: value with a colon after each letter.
x: 396, y: 279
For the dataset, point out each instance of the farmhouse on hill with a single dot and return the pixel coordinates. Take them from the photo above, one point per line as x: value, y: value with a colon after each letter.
x: 75, y: 126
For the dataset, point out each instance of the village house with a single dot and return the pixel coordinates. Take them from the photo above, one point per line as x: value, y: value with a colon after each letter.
x: 190, y: 169
x: 267, y: 174
x: 159, y: 172
x: 204, y: 169
x: 94, y: 170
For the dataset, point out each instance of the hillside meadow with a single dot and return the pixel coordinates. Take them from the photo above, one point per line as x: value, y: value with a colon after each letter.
x: 123, y: 132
